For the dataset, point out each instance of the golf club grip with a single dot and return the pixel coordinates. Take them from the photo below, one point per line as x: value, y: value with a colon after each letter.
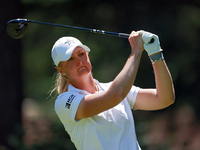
x: 124, y: 35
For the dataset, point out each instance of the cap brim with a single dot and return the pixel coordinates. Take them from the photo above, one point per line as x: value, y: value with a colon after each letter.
x: 71, y: 50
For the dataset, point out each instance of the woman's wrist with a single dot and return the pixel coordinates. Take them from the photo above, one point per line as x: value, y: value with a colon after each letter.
x: 156, y: 57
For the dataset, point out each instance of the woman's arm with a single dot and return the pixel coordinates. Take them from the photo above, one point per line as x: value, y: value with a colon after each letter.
x: 96, y: 103
x: 163, y: 95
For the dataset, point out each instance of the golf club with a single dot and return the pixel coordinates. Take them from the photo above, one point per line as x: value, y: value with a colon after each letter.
x: 16, y: 28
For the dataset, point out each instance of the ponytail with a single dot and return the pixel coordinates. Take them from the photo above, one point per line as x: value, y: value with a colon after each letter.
x: 61, y: 84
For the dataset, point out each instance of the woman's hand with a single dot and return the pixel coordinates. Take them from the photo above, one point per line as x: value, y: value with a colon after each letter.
x: 135, y: 40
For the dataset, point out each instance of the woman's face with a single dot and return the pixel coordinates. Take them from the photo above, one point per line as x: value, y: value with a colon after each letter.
x: 76, y: 66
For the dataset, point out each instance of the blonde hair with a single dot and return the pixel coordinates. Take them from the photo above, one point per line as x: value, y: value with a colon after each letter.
x: 61, y: 84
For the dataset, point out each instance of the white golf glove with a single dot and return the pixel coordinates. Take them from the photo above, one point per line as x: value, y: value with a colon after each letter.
x: 151, y: 48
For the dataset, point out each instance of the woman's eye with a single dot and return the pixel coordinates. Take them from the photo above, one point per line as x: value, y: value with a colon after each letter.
x: 70, y: 59
x: 82, y: 54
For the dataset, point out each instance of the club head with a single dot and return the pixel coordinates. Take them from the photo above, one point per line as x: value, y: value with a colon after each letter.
x: 16, y: 28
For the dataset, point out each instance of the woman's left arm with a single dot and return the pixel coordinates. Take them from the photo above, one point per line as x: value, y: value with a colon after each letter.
x: 162, y: 96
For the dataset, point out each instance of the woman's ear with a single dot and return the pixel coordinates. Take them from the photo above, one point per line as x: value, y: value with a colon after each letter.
x: 59, y: 70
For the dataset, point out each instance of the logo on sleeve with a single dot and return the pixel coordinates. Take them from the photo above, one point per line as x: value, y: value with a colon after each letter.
x: 69, y: 101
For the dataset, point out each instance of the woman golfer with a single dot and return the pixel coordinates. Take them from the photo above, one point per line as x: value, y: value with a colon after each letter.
x: 98, y: 116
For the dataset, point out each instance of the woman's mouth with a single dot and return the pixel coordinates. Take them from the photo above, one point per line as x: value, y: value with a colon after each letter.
x: 82, y: 67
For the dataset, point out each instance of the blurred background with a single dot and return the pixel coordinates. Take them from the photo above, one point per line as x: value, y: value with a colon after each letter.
x: 28, y: 120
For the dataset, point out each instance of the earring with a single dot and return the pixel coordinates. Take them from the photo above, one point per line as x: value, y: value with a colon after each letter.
x: 64, y: 74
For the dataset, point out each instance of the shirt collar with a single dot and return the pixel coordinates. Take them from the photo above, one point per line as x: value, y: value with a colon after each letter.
x: 71, y: 88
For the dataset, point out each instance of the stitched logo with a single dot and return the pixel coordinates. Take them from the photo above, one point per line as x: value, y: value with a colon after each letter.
x: 69, y: 42
x: 69, y: 101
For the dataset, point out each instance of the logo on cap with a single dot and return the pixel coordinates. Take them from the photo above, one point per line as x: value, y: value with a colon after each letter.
x: 69, y: 42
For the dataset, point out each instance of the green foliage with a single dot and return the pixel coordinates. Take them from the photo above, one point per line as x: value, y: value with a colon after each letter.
x: 176, y: 23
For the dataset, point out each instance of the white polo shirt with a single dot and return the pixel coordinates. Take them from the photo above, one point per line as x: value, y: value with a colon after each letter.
x: 112, y: 129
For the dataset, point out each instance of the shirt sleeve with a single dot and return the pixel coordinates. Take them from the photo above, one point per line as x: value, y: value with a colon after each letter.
x: 132, y: 95
x: 66, y: 106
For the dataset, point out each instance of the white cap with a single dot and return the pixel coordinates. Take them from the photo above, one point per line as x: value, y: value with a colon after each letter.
x: 64, y: 47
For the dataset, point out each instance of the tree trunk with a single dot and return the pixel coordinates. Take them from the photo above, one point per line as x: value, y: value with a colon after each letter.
x: 10, y: 78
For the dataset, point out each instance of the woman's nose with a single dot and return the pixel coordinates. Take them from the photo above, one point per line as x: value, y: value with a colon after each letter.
x: 78, y: 62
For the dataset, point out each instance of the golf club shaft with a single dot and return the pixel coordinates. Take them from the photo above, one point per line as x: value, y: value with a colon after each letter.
x: 122, y: 35
x: 16, y: 28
